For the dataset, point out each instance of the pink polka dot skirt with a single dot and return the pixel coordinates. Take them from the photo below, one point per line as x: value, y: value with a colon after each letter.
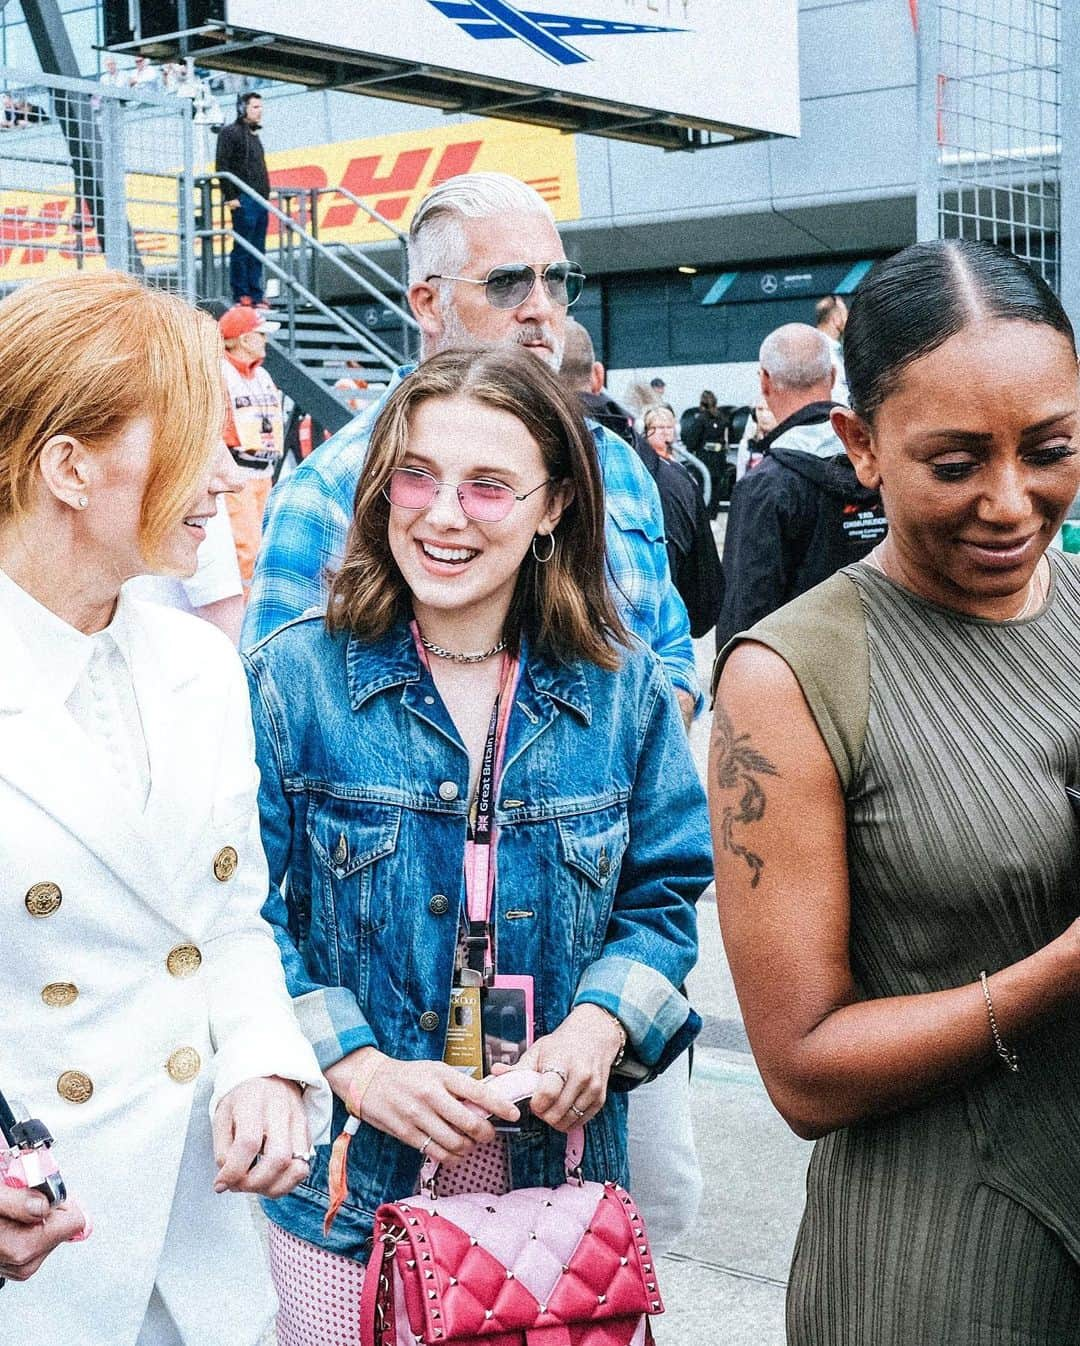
x: 319, y: 1291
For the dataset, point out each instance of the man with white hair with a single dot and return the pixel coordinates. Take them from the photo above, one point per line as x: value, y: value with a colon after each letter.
x: 800, y: 514
x: 486, y: 268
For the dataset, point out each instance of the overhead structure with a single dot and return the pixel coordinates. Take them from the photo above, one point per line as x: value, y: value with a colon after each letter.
x: 679, y: 74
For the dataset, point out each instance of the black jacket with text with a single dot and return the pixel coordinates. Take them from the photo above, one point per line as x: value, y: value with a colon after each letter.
x: 797, y: 517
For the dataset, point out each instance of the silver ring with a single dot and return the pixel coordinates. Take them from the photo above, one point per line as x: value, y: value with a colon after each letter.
x: 305, y: 1158
x: 555, y: 1070
x: 423, y: 1148
x: 576, y: 1111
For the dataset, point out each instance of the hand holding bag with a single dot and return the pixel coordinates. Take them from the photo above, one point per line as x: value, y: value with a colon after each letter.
x: 542, y: 1266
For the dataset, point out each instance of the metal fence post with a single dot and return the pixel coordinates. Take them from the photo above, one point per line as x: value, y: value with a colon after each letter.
x: 185, y: 209
x: 927, y: 213
x: 113, y: 193
x: 1070, y: 159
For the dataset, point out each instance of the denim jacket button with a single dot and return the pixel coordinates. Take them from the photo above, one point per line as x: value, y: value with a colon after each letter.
x: 439, y: 905
x: 429, y: 1021
x: 448, y: 790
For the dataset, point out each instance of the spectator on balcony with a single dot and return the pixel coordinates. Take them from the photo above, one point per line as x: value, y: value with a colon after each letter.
x: 240, y: 153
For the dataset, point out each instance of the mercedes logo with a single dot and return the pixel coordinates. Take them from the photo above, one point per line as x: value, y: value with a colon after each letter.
x: 769, y: 283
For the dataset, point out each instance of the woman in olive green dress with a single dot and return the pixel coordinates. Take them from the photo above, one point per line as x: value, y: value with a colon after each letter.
x: 896, y: 853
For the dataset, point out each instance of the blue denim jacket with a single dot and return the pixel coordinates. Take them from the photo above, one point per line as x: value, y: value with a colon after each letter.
x: 603, y: 851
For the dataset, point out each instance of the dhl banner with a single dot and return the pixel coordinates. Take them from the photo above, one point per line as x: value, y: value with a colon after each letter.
x: 391, y: 173
x: 41, y: 234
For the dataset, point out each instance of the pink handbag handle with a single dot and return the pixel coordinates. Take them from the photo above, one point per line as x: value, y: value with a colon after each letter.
x: 516, y: 1086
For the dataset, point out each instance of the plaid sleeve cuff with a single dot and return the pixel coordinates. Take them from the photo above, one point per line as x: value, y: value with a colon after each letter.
x: 332, y: 1022
x: 659, y: 1021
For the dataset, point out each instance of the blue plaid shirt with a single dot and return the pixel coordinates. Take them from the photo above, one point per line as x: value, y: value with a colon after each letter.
x: 310, y: 511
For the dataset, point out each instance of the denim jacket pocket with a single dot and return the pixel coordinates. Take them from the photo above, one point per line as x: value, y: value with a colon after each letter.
x: 348, y: 837
x: 593, y: 845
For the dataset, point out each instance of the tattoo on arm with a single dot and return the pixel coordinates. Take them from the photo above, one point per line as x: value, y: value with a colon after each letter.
x: 739, y: 766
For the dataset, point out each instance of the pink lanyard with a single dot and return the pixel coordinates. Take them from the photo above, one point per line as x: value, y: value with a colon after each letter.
x: 481, y: 846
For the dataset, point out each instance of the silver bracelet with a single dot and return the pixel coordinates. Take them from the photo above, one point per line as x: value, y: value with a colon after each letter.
x: 1008, y: 1057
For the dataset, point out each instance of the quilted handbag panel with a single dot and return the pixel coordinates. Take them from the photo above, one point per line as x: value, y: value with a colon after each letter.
x: 564, y: 1266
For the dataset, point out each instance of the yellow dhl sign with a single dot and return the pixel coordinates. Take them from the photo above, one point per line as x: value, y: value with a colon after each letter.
x: 43, y: 233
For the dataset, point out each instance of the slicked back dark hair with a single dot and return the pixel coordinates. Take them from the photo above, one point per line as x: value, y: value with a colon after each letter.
x: 913, y: 302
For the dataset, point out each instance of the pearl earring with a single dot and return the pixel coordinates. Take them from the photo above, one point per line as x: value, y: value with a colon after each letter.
x: 82, y: 502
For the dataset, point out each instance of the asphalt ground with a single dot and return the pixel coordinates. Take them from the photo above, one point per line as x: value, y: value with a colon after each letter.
x: 724, y: 1284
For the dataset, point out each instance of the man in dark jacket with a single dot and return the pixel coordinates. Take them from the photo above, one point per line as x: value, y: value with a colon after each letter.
x: 240, y: 152
x: 800, y: 514
x: 692, y: 556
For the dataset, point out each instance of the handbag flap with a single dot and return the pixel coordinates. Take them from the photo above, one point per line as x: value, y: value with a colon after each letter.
x: 477, y: 1265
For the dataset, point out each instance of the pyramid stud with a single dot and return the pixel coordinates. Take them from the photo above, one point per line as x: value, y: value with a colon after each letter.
x: 646, y: 1266
x: 642, y: 1249
x: 453, y: 1280
x: 411, y: 1266
x: 432, y: 1294
x: 548, y: 1203
x: 489, y: 1313
x: 429, y: 1275
x: 543, y: 1308
x: 413, y: 1220
x: 435, y: 1313
x: 565, y: 1270
x: 425, y: 1257
x: 656, y: 1303
x: 509, y: 1275
x: 624, y: 1261
x: 651, y: 1285
x: 601, y: 1299
x: 532, y: 1233
x: 473, y: 1243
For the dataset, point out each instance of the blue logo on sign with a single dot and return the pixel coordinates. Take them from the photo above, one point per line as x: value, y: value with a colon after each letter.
x: 544, y: 33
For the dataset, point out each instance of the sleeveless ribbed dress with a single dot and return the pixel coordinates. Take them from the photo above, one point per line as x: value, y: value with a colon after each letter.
x: 956, y: 1223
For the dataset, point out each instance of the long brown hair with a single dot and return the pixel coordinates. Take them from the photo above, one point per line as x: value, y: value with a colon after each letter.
x: 85, y: 356
x: 562, y: 606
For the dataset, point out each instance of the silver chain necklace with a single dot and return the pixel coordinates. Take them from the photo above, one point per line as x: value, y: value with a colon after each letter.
x: 456, y: 657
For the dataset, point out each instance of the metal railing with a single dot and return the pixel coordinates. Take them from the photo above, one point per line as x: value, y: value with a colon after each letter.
x: 296, y: 248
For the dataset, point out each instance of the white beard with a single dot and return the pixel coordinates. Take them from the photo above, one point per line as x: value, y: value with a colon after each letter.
x: 455, y: 336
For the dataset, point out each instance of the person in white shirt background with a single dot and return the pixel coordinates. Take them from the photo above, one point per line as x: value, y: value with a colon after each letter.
x: 147, y: 1019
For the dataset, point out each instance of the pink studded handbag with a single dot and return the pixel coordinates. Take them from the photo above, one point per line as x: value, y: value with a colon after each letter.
x: 542, y: 1266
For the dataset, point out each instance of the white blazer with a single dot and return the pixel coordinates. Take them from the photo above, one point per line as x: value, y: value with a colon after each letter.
x: 122, y: 1050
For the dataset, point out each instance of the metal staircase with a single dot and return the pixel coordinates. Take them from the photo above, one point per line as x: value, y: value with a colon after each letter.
x: 320, y: 344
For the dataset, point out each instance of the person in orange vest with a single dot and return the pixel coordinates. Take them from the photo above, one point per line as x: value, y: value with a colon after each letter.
x: 254, y: 427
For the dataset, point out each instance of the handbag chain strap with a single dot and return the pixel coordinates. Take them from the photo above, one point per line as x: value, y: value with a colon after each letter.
x: 385, y: 1327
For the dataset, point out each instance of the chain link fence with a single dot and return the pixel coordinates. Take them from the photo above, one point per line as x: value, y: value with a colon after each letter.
x: 94, y: 177
x: 991, y: 102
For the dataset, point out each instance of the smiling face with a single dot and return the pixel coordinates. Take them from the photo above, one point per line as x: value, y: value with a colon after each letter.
x: 975, y: 453
x: 462, y: 573
x: 109, y: 527
x: 464, y: 319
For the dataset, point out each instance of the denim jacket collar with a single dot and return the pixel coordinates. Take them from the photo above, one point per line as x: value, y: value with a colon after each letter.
x: 392, y: 661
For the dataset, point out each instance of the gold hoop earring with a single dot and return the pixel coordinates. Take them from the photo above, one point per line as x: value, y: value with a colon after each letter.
x: 543, y: 560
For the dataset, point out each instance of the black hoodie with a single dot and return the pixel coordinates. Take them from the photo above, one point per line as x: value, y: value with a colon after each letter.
x: 795, y: 519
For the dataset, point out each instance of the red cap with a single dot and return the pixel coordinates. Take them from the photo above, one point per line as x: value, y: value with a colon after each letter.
x: 242, y: 318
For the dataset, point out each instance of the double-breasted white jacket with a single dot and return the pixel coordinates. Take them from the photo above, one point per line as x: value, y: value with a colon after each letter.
x: 138, y: 985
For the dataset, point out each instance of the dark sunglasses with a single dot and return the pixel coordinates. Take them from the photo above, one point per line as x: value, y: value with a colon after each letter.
x: 484, y: 501
x: 510, y: 285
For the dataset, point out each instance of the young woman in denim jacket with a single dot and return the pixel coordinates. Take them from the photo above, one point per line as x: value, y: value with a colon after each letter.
x: 371, y: 723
